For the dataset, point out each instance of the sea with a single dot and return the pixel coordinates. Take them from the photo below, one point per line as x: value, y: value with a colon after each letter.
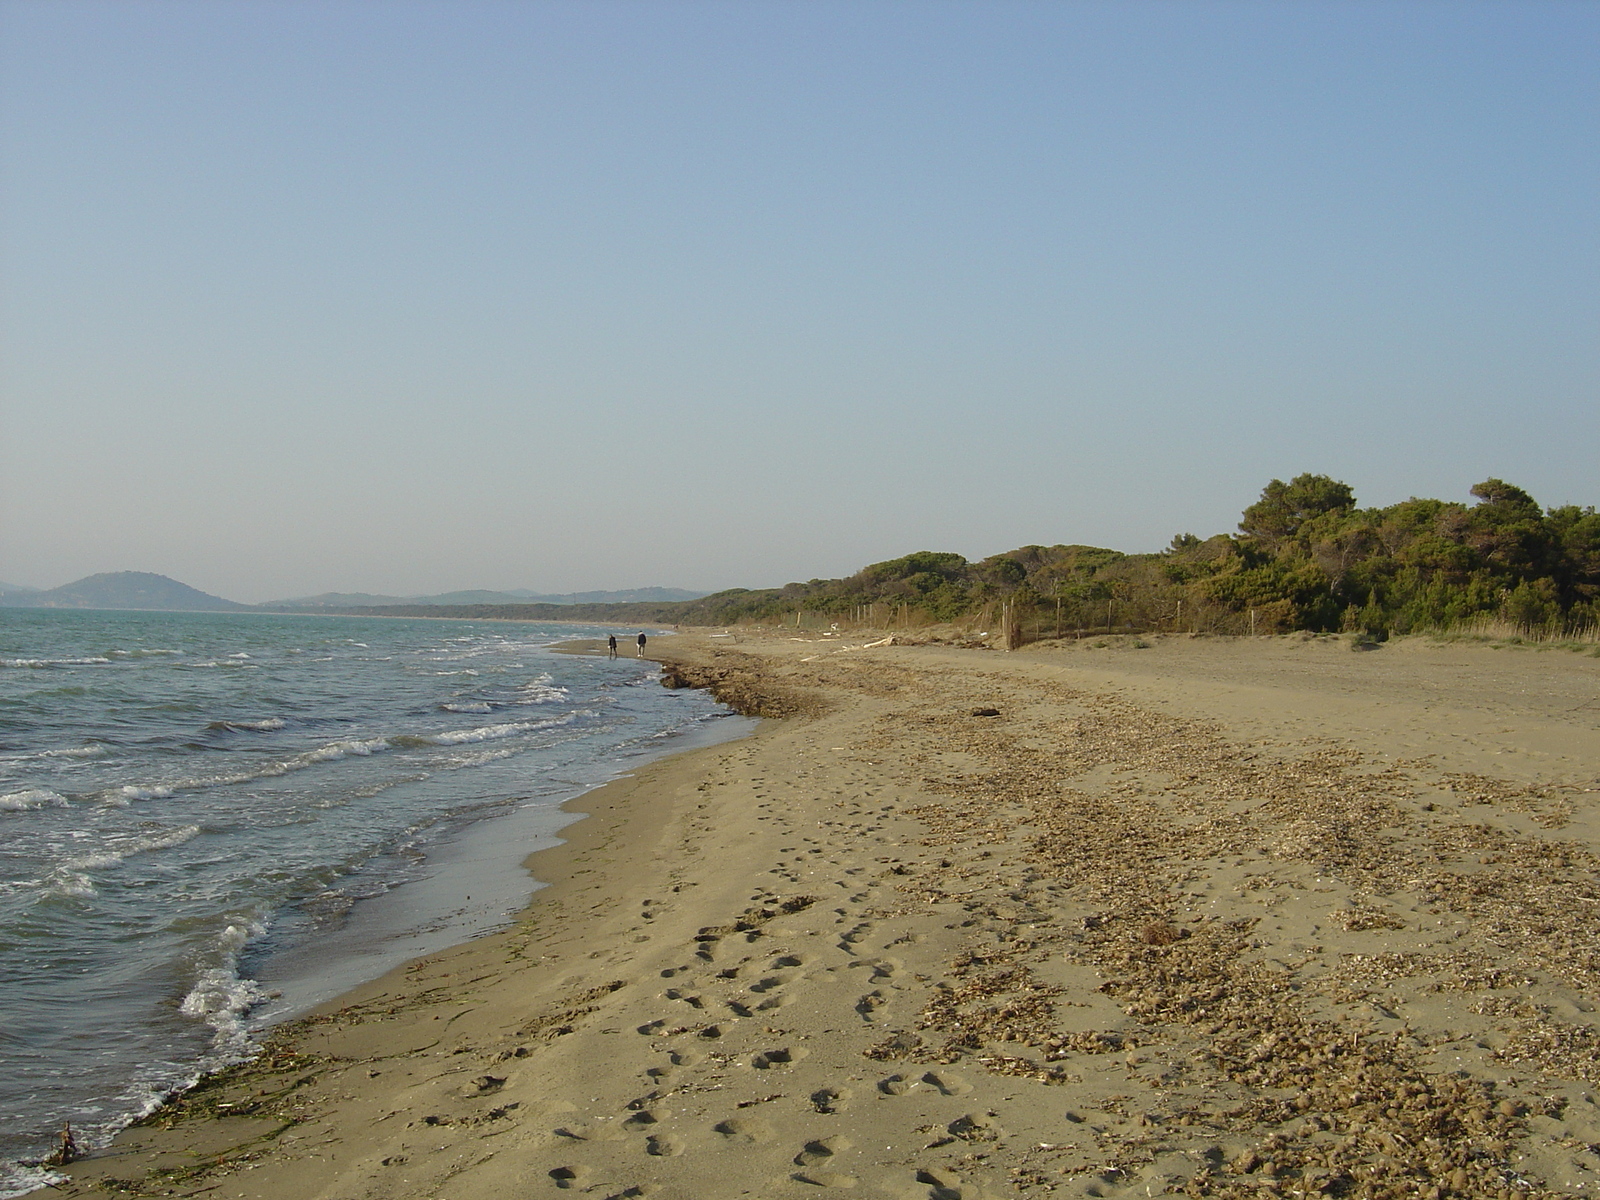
x: 211, y: 822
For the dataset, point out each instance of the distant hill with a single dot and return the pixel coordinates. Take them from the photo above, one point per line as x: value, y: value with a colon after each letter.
x: 8, y: 589
x: 124, y: 589
x: 349, y: 600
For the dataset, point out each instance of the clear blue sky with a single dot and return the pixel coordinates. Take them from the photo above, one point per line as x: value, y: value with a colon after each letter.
x: 403, y: 297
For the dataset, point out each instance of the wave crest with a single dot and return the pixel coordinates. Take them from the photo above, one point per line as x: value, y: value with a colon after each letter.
x: 31, y: 798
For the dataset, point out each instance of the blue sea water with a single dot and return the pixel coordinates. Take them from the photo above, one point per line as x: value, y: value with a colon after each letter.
x: 209, y: 822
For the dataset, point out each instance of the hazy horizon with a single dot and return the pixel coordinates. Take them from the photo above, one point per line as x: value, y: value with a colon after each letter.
x: 532, y: 597
x: 418, y: 297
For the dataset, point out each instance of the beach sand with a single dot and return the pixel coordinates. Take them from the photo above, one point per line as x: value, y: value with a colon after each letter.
x: 1224, y: 917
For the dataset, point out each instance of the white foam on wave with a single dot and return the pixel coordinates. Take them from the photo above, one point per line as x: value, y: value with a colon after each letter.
x: 130, y: 792
x: 467, y: 706
x: 37, y: 663
x: 490, y: 733
x: 69, y: 883
x: 95, y: 751
x: 117, y: 849
x: 338, y: 750
x: 20, y: 1179
x: 265, y: 725
x: 31, y: 798
x: 333, y: 752
x: 541, y: 691
x: 484, y: 733
x: 476, y: 758
x: 220, y: 998
x: 71, y: 877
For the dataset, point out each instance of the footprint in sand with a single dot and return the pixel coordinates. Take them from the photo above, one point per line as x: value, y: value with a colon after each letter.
x: 940, y: 1185
x: 948, y: 1083
x: 857, y: 934
x: 768, y: 986
x: 662, y: 1146
x: 744, y: 1129
x: 641, y: 1120
x: 975, y: 1127
x: 783, y: 1057
x: 692, y: 999
x: 898, y: 1085
x: 569, y: 1177
x: 870, y: 1003
x: 769, y: 982
x: 791, y: 960
x: 831, y: 1100
x: 835, y: 1179
x: 821, y: 1150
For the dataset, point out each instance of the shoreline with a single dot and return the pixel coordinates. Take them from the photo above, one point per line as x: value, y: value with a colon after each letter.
x: 1205, y: 918
x: 581, y: 820
x: 600, y: 817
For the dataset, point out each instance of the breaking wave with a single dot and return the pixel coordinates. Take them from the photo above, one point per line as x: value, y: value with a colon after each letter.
x: 266, y: 725
x: 31, y: 798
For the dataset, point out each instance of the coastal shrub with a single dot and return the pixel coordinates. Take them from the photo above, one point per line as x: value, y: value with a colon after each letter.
x: 1305, y: 557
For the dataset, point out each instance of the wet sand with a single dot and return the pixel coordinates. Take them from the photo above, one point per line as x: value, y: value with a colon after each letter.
x: 1209, y: 917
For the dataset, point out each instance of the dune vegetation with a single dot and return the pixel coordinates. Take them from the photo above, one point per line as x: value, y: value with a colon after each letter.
x: 1305, y: 556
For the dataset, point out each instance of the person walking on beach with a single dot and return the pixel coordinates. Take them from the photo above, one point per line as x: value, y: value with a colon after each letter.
x: 612, y: 643
x: 641, y: 645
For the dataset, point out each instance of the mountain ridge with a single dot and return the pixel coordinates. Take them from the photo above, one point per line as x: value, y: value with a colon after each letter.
x: 324, y: 600
x: 144, y: 591
x: 140, y: 591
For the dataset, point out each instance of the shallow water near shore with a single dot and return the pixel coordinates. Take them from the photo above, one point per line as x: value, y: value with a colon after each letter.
x: 213, y: 821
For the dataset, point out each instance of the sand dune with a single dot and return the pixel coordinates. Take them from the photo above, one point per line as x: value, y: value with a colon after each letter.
x: 1224, y: 918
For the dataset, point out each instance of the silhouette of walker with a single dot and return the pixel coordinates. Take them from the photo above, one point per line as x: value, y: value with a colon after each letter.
x: 641, y: 645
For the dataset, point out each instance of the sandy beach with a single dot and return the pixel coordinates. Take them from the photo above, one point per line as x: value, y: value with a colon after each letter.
x: 1216, y: 917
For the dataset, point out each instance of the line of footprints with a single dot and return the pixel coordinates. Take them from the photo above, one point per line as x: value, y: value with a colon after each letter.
x: 711, y: 1001
x: 815, y: 1159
